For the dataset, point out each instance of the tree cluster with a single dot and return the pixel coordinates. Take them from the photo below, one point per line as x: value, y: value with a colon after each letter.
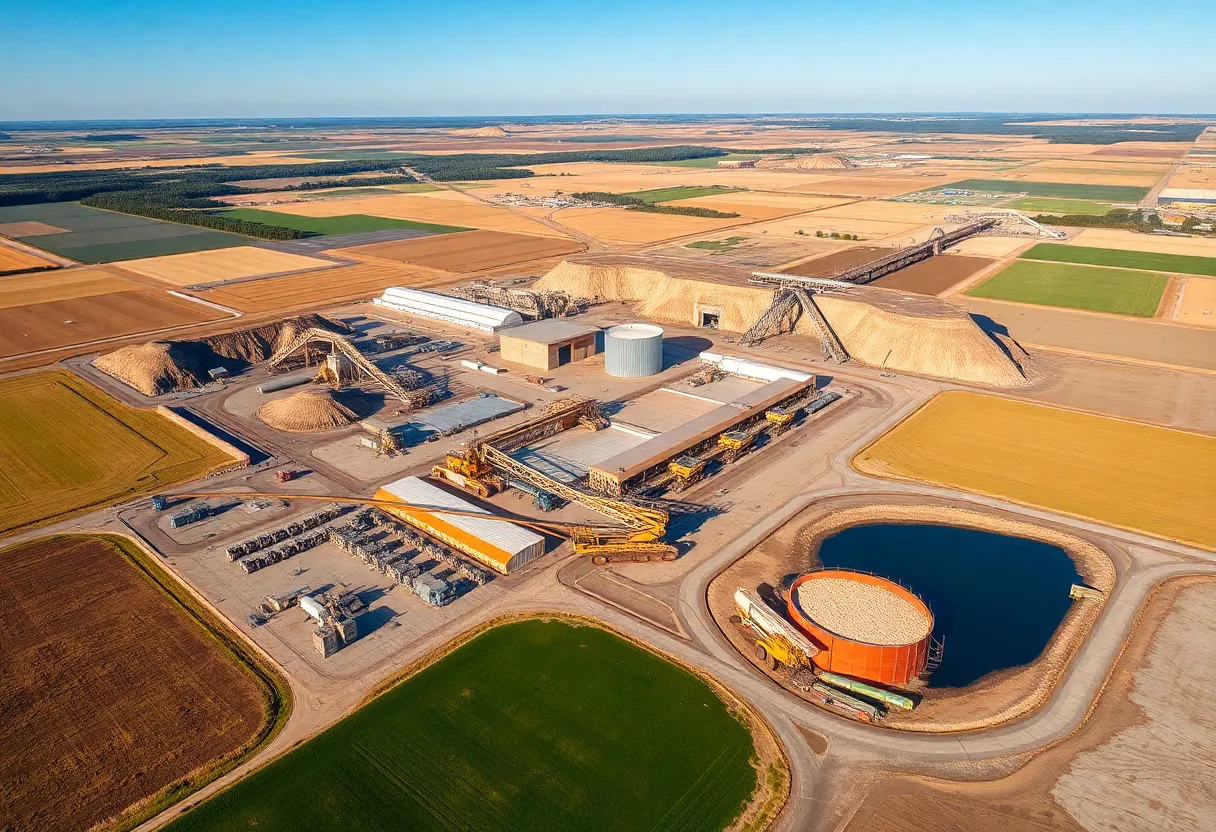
x: 185, y: 212
x: 633, y: 203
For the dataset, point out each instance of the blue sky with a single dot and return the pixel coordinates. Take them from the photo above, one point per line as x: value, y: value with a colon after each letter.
x: 173, y: 59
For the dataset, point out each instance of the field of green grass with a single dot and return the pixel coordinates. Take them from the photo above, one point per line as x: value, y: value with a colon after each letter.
x: 348, y: 224
x: 1121, y: 291
x: 1119, y: 259
x: 1044, y: 205
x: 716, y: 245
x: 672, y: 194
x: 1062, y: 190
x: 67, y: 447
x: 534, y: 725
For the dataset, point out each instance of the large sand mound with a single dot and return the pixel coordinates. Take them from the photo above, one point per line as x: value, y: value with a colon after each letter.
x: 492, y: 132
x: 166, y: 366
x: 880, y: 327
x: 309, y: 411
x: 157, y: 367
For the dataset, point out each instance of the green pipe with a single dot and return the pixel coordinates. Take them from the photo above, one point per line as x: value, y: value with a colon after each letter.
x: 884, y: 696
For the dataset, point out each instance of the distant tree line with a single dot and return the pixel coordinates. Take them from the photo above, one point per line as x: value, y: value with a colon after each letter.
x: 1114, y: 218
x: 365, y: 182
x: 137, y: 203
x: 474, y: 166
x: 635, y: 204
x: 110, y: 137
x: 1005, y: 126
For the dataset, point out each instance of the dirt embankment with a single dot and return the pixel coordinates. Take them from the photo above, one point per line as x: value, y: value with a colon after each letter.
x: 996, y: 698
x: 880, y: 327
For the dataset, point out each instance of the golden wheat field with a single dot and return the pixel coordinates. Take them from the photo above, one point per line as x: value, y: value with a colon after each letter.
x: 13, y: 260
x: 1125, y: 474
x: 222, y: 264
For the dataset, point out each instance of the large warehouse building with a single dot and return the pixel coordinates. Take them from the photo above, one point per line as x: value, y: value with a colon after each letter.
x: 547, y: 344
x: 504, y: 547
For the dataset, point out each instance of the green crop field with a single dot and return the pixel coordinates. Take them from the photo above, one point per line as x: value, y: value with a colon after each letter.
x: 1121, y: 291
x: 92, y: 235
x: 348, y: 224
x: 672, y: 194
x: 1117, y: 258
x: 1044, y: 205
x: 534, y: 725
x: 67, y: 448
x: 716, y: 245
x: 1063, y: 190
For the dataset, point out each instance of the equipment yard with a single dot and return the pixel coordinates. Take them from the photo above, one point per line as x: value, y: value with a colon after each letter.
x: 709, y: 473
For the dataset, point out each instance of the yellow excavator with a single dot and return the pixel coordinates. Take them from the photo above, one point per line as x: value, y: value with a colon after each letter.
x: 482, y: 466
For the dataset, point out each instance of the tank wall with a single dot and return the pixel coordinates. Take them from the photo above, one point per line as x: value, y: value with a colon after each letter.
x: 633, y: 357
x: 884, y: 664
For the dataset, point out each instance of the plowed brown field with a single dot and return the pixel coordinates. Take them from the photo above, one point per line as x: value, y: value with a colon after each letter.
x: 300, y: 291
x: 933, y: 276
x: 467, y: 251
x: 838, y: 261
x: 39, y: 312
x: 110, y: 691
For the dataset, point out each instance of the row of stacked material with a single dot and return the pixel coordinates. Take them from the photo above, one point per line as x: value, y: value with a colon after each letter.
x: 260, y: 560
x: 431, y: 549
x: 296, y: 527
x: 392, y: 559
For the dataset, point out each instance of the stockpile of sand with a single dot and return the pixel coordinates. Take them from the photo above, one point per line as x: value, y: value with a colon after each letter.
x: 493, y: 132
x: 862, y: 612
x: 818, y: 161
x: 880, y: 327
x: 309, y: 411
x: 157, y: 367
x: 916, y: 334
x: 165, y: 366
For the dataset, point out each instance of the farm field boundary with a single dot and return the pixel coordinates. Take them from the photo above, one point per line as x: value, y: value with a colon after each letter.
x: 657, y: 195
x: 341, y: 224
x: 1062, y: 190
x: 745, y: 764
x: 69, y: 448
x: 1130, y: 475
x: 137, y: 748
x: 1046, y: 205
x: 1094, y: 288
x: 1122, y: 259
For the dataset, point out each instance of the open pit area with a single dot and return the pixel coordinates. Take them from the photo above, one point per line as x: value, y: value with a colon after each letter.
x: 1133, y: 476
x: 1095, y: 779
x: 70, y: 448
x: 996, y: 697
x: 120, y: 697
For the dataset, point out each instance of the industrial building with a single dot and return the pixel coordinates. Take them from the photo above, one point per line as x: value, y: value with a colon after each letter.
x: 1197, y: 196
x: 503, y: 547
x: 550, y: 343
x: 443, y: 308
x: 615, y: 474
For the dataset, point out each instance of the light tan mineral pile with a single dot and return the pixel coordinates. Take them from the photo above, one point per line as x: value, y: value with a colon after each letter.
x: 862, y: 612
x: 157, y: 367
x: 491, y: 132
x: 309, y: 411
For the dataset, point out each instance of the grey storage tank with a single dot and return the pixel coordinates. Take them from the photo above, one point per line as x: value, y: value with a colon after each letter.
x: 633, y: 350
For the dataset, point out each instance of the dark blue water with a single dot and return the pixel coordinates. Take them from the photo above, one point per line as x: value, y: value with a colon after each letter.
x: 996, y: 600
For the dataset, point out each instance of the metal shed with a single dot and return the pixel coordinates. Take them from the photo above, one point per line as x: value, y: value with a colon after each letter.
x: 548, y: 344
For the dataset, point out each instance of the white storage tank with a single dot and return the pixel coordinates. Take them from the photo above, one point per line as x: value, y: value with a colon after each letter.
x: 633, y: 350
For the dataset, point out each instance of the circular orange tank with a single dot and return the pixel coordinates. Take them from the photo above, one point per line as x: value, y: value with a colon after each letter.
x: 872, y: 660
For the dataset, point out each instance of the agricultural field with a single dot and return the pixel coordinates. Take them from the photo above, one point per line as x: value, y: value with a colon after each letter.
x: 724, y: 244
x: 465, y: 252
x: 223, y: 264
x: 13, y: 260
x: 1122, y: 259
x: 69, y: 448
x: 1198, y: 305
x: 1043, y: 205
x: 1148, y: 479
x: 1097, y: 289
x: 116, y: 691
x: 310, y: 289
x: 762, y: 205
x: 535, y: 725
x: 66, y: 307
x: 658, y: 195
x: 838, y: 261
x: 1062, y: 190
x: 1133, y: 241
x: 91, y: 235
x: 619, y: 226
x: 341, y: 224
x: 935, y: 275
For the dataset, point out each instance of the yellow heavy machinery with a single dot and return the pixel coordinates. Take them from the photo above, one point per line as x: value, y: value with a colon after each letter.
x: 483, y: 465
x: 778, y: 643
